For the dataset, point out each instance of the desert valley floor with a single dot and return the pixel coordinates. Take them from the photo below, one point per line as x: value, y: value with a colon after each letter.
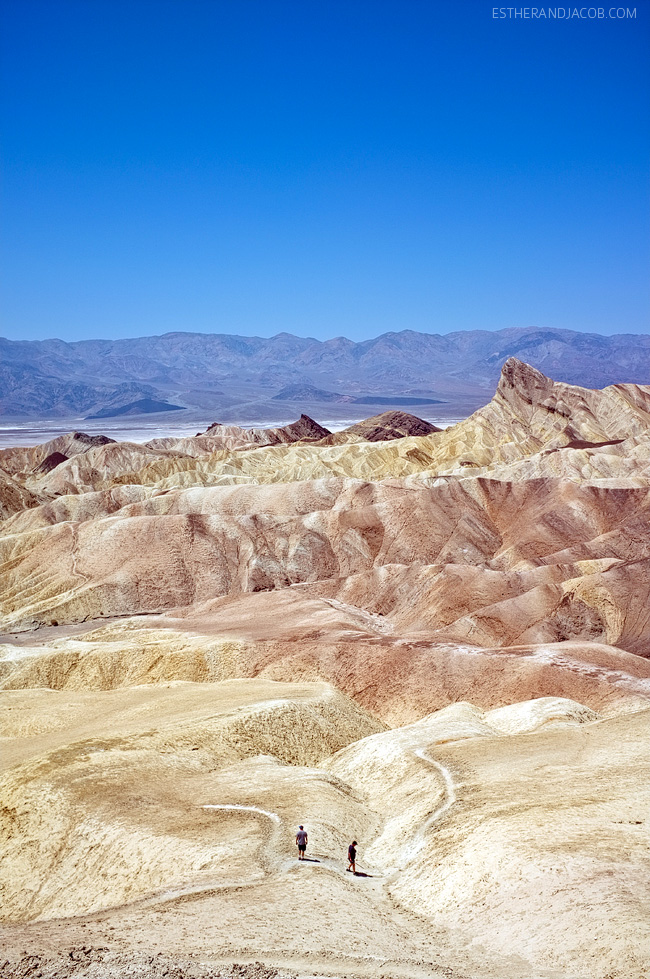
x: 436, y: 643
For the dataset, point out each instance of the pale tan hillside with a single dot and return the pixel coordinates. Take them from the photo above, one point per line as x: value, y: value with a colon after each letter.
x: 282, y: 637
x: 304, y: 428
x: 92, y: 469
x: 620, y: 462
x: 187, y: 548
x: 102, y: 794
x: 402, y: 597
x: 24, y: 460
x: 14, y: 498
x: 191, y: 445
x: 546, y: 409
x: 231, y: 437
x: 515, y: 838
x: 75, y: 508
x: 107, y: 459
x: 482, y: 844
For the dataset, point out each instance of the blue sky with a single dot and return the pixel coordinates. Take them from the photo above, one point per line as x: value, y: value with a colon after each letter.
x: 324, y: 168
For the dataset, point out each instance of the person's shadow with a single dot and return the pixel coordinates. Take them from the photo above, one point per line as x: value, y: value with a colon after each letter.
x: 357, y: 873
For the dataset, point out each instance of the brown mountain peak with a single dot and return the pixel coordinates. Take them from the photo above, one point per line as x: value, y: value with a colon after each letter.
x: 391, y: 425
x: 521, y: 376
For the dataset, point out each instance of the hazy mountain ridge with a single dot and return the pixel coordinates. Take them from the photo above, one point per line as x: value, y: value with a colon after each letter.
x: 55, y: 378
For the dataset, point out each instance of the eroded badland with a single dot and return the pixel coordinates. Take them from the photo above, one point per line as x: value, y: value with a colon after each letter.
x: 436, y: 643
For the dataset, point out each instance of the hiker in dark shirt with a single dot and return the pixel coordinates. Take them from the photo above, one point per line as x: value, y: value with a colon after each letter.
x: 301, y: 842
x: 352, y: 856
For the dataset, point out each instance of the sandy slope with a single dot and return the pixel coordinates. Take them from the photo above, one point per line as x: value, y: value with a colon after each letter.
x: 398, y: 679
x: 187, y: 829
x: 564, y: 884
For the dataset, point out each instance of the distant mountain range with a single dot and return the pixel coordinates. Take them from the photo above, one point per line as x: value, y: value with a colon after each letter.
x: 249, y: 377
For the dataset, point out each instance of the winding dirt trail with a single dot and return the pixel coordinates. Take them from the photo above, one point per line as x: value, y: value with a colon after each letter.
x: 219, y: 922
x: 376, y: 881
x: 273, y: 864
x: 448, y: 800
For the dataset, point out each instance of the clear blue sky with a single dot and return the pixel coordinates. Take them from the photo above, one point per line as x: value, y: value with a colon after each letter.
x: 323, y: 167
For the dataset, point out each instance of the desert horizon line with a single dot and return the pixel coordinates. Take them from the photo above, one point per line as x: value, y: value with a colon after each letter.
x: 330, y: 339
